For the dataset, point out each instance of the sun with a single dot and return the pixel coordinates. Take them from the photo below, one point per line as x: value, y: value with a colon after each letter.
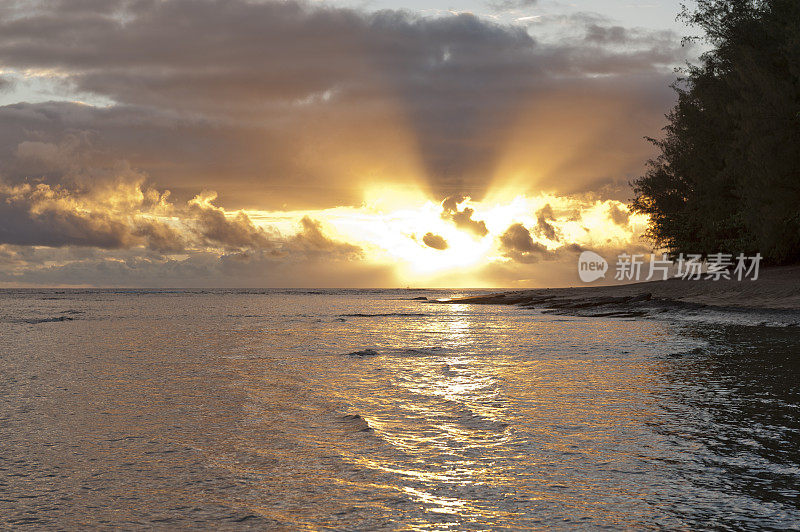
x: 394, y: 225
x: 419, y: 239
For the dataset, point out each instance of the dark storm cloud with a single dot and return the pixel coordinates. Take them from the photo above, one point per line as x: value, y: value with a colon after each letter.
x: 249, y: 98
x: 434, y: 241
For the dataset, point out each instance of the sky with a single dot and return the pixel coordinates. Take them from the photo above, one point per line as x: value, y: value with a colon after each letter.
x: 233, y: 143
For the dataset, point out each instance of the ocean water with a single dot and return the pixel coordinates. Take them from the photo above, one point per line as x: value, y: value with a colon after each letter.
x: 232, y: 410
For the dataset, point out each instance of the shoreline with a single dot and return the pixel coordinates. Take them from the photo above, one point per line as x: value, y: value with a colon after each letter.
x: 776, y: 291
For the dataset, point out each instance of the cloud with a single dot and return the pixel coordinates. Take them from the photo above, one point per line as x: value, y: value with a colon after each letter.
x: 518, y: 238
x: 217, y: 229
x: 618, y: 215
x: 128, y: 235
x: 257, y: 268
x: 161, y: 242
x: 517, y: 243
x: 311, y: 240
x: 128, y: 215
x: 49, y: 216
x: 462, y: 218
x: 599, y: 32
x: 306, y: 104
x: 160, y: 237
x: 543, y: 227
x: 434, y: 241
x: 511, y: 5
x: 293, y: 106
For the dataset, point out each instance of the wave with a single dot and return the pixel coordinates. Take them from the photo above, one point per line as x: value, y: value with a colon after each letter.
x: 363, y: 353
x: 356, y: 423
x: 399, y: 352
x: 421, y: 351
x: 34, y: 321
x: 385, y: 315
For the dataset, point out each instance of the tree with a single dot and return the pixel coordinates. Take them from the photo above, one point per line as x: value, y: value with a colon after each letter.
x: 727, y: 178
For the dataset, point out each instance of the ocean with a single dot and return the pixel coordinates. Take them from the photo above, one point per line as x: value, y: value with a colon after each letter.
x: 373, y: 410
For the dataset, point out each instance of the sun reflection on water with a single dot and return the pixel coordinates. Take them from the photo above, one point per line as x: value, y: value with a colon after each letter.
x: 469, y: 417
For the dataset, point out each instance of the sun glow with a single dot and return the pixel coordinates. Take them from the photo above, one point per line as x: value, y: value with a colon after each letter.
x: 403, y: 228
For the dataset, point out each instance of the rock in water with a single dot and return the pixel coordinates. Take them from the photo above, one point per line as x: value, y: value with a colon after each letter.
x: 363, y: 353
x: 357, y: 423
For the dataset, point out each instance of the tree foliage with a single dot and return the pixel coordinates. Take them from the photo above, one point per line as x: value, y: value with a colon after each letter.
x: 727, y: 178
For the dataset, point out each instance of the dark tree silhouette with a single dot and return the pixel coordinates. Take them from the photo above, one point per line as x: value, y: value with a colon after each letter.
x: 727, y: 178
